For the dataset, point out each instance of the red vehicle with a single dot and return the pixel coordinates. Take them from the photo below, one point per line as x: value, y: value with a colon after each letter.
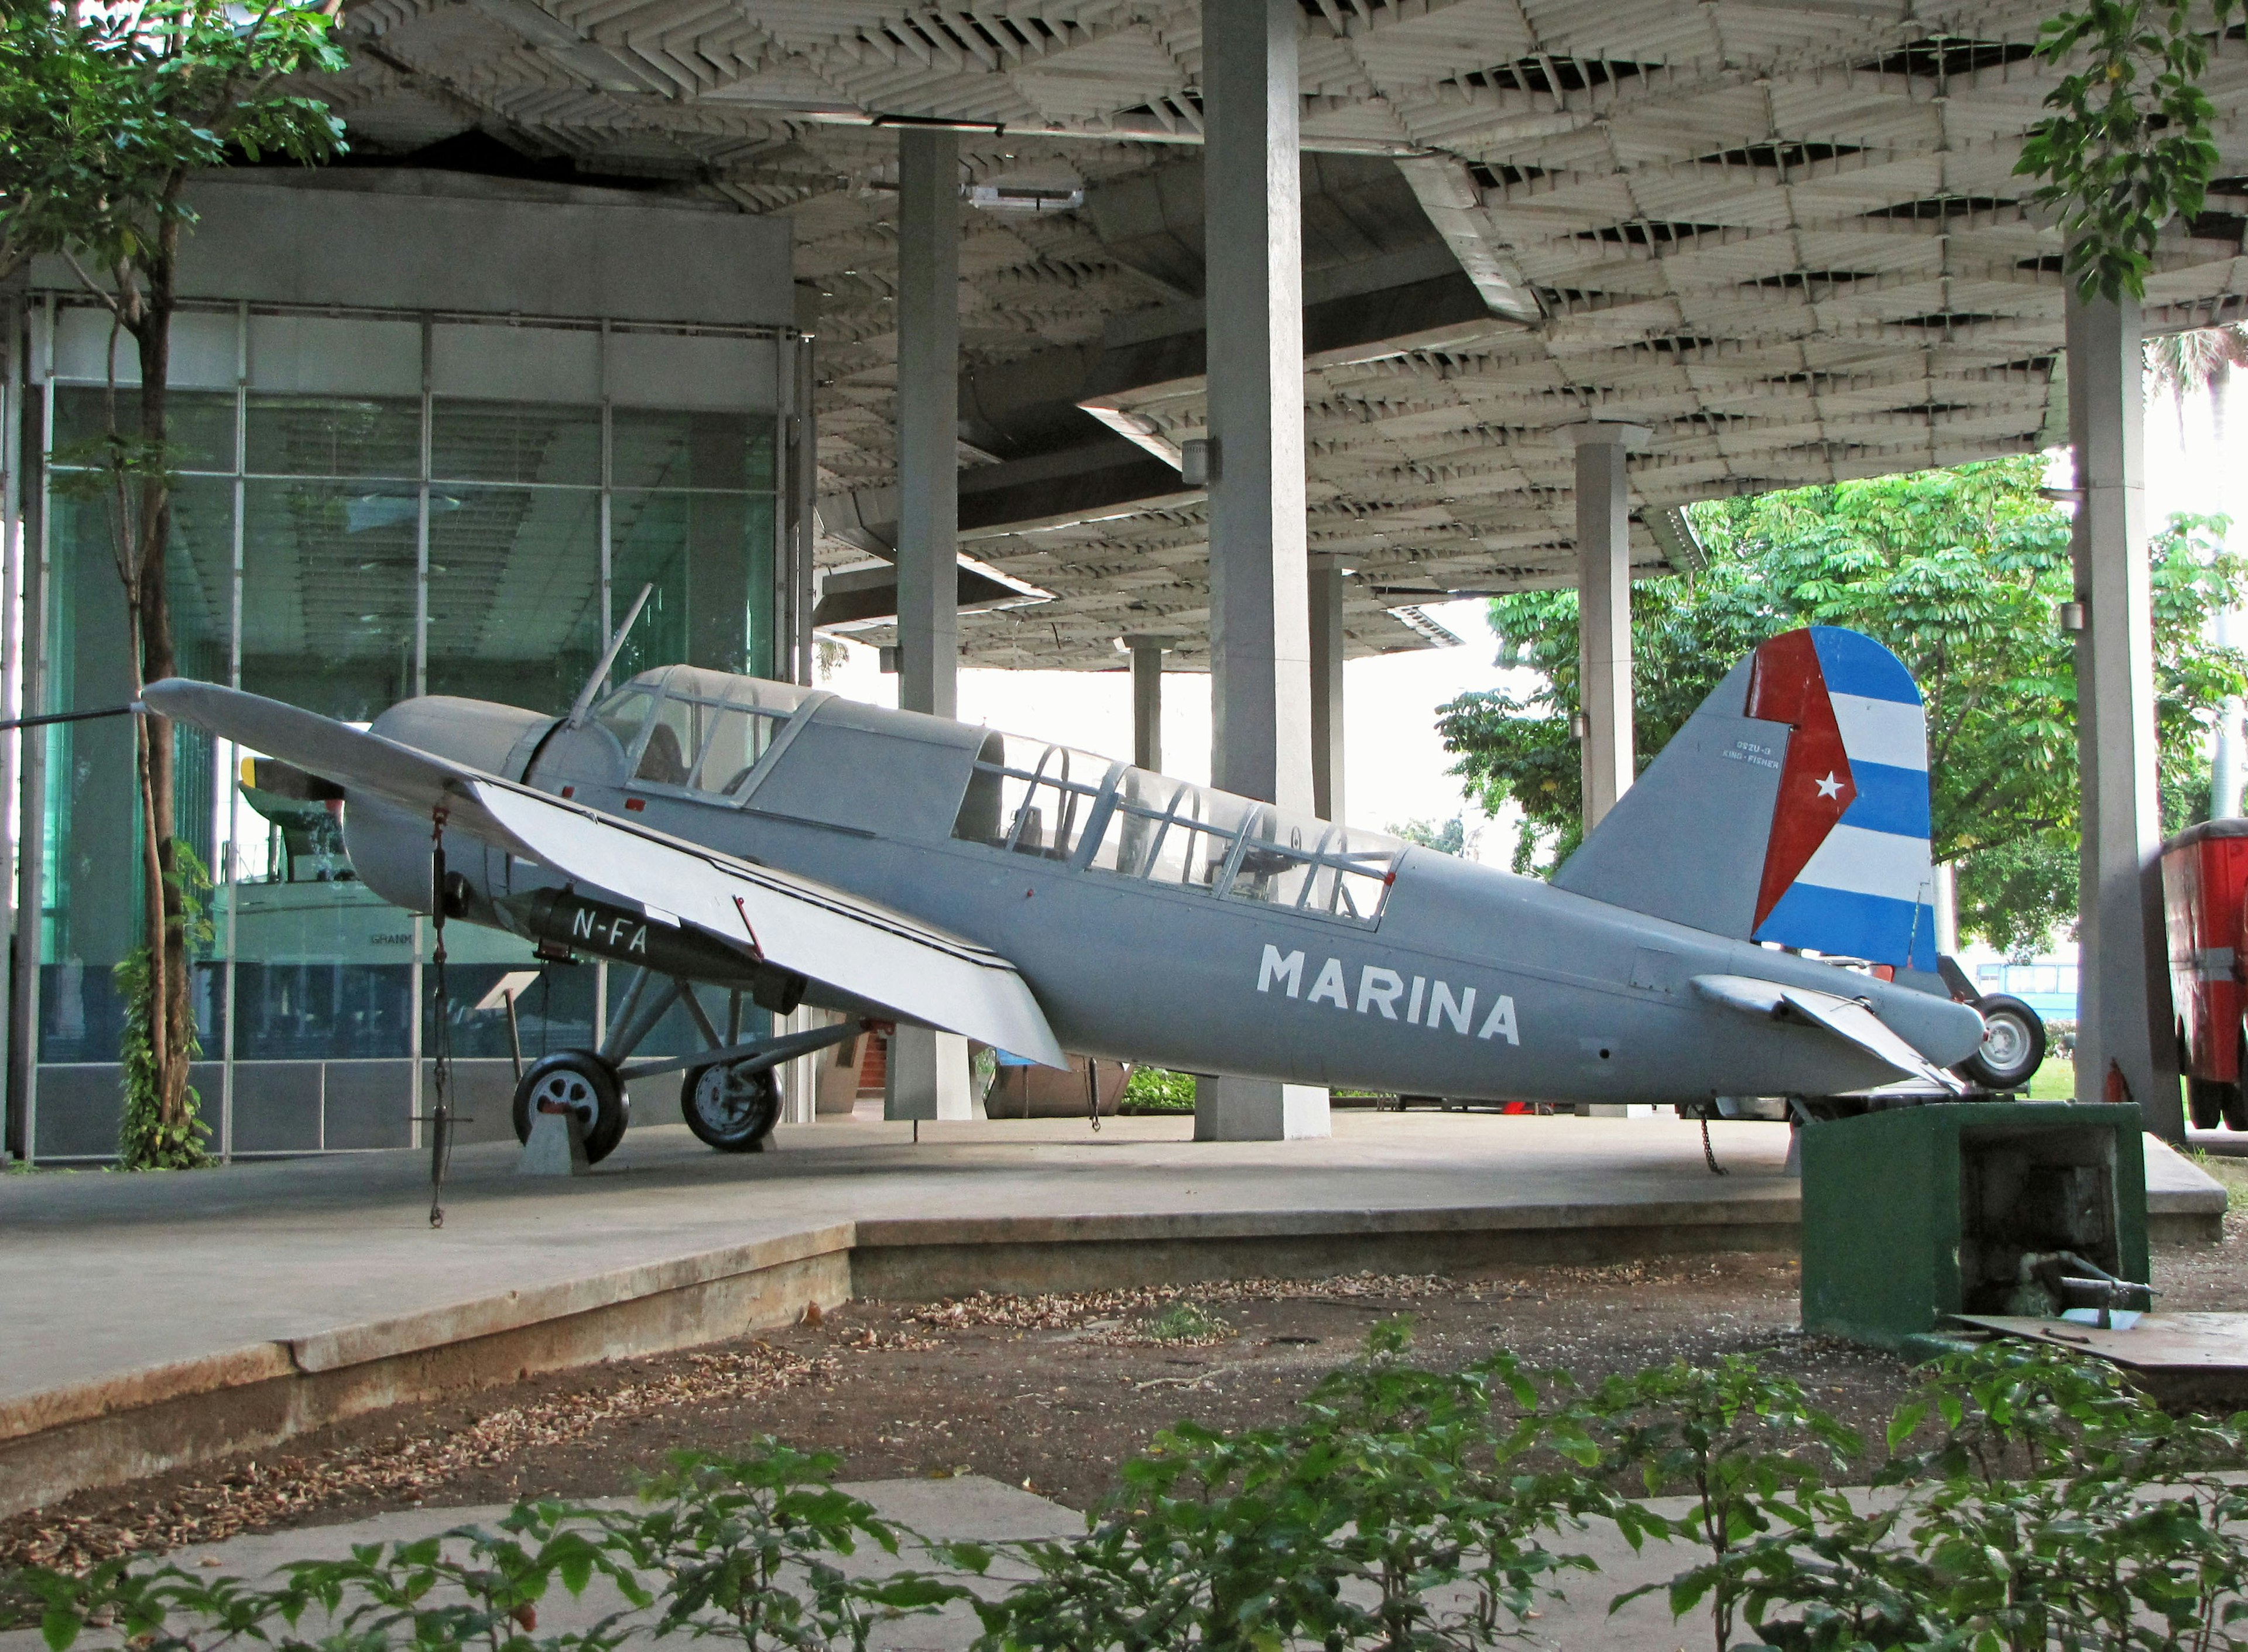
x: 2204, y: 881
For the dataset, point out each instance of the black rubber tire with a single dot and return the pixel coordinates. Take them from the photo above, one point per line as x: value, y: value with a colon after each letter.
x: 2205, y: 1101
x: 729, y: 1109
x: 2013, y: 1045
x: 582, y: 1081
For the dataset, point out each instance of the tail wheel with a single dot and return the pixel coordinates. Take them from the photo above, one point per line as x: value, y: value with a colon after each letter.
x: 581, y: 1083
x: 2205, y: 1101
x: 730, y: 1106
x: 2013, y: 1045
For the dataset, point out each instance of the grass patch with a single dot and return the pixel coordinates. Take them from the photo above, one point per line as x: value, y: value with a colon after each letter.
x: 2054, y: 1082
x: 1186, y: 1323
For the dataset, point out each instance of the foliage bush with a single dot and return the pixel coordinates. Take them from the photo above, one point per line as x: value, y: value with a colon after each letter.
x: 2030, y: 1499
x: 1158, y: 1090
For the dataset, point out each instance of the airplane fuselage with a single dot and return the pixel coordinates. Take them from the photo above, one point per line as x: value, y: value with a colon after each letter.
x: 1467, y: 981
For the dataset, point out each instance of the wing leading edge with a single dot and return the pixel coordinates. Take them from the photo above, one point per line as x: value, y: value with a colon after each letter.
x: 867, y: 950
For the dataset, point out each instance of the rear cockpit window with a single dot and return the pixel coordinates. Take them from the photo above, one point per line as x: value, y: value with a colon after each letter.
x: 1030, y: 798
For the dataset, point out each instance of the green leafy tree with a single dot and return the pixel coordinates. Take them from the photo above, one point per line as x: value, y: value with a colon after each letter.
x: 2129, y: 145
x: 106, y: 115
x: 1958, y: 572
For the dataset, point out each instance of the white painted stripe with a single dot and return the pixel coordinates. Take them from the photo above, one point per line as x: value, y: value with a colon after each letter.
x: 1881, y: 731
x: 1873, y: 863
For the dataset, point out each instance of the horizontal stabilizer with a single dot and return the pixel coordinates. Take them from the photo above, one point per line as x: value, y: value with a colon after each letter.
x: 1850, y: 1019
x: 861, y: 950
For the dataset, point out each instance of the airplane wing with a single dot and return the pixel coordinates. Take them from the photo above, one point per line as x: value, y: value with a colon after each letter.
x: 793, y: 923
x: 1846, y: 1018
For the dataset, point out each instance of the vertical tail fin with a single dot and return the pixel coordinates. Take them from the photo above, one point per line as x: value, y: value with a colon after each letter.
x: 1792, y: 807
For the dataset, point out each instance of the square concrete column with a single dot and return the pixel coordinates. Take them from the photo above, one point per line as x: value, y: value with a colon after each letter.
x: 1147, y: 699
x: 2124, y: 1045
x: 1604, y: 609
x: 929, y: 1070
x: 1259, y: 615
x: 1259, y: 626
x: 929, y: 421
x: 1327, y: 648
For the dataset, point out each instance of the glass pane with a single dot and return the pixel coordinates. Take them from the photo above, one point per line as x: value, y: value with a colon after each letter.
x: 711, y: 559
x: 657, y: 448
x: 200, y: 421
x: 737, y: 739
x: 334, y: 436
x: 514, y: 441
x: 515, y: 594
x: 90, y: 906
x: 663, y: 758
x: 623, y: 713
x: 328, y: 596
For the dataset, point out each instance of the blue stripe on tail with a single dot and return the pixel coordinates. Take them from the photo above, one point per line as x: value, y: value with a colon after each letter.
x: 1857, y: 926
x: 1888, y: 799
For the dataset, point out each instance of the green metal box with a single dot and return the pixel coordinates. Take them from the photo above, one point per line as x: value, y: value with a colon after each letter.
x: 1913, y: 1213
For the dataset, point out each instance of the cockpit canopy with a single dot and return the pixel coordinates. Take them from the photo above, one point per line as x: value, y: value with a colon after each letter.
x: 704, y: 731
x: 681, y: 725
x: 1033, y: 797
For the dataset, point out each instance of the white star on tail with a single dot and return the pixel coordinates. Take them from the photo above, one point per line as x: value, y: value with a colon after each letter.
x: 1830, y: 787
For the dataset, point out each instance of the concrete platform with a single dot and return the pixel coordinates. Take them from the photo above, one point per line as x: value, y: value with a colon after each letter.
x: 157, y: 1322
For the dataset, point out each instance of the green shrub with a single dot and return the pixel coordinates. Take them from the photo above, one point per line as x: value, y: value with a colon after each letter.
x: 2047, y: 1507
x: 1158, y: 1090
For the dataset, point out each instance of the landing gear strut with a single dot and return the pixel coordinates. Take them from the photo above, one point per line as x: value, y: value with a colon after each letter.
x: 730, y: 1096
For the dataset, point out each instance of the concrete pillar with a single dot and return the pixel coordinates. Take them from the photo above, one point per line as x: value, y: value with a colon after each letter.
x: 1327, y: 648
x: 1259, y: 614
x: 1604, y: 609
x: 2124, y: 1041
x: 926, y: 1076
x: 928, y: 419
x: 929, y: 1070
x: 1259, y: 623
x: 1148, y: 701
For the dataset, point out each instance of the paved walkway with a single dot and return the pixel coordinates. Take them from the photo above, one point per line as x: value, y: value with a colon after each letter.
x: 104, y: 1273
x: 973, y: 1507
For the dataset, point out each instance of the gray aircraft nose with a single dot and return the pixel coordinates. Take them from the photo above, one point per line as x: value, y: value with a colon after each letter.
x: 389, y: 847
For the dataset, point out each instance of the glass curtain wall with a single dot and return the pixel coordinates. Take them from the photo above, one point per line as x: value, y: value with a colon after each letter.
x: 342, y: 553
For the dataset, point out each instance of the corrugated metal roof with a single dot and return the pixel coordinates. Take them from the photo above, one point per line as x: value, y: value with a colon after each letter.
x: 1787, y: 237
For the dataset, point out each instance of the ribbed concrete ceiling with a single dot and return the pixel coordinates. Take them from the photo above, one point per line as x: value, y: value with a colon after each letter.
x: 1784, y: 235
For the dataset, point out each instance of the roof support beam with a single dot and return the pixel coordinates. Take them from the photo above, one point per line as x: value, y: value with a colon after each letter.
x: 2125, y: 1048
x: 1259, y: 616
x: 928, y: 414
x: 1604, y: 610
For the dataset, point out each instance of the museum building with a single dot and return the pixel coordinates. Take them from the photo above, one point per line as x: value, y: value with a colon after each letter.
x: 435, y: 434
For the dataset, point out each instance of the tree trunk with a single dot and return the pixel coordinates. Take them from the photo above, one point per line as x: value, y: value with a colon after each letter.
x: 170, y: 1028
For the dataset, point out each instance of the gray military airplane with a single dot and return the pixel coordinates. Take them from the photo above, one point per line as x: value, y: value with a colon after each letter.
x: 783, y: 843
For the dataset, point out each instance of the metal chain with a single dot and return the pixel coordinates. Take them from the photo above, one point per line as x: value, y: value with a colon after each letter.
x: 1709, y: 1153
x: 441, y: 1040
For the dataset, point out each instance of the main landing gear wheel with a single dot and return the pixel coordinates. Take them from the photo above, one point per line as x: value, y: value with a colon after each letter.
x: 585, y: 1084
x: 2013, y: 1045
x: 2232, y: 1098
x: 731, y: 1108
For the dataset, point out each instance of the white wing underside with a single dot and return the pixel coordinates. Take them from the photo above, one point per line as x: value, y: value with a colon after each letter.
x: 855, y: 946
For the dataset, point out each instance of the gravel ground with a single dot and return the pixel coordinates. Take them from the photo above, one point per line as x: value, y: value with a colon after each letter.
x: 1049, y: 1393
